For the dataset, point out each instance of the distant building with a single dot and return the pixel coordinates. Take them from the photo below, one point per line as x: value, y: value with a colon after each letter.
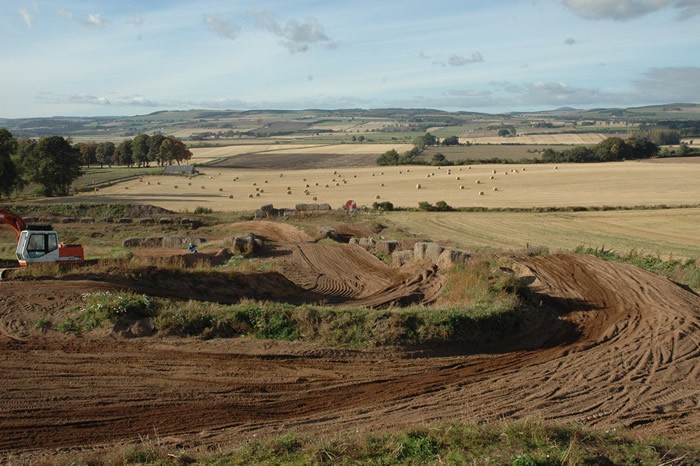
x: 187, y: 170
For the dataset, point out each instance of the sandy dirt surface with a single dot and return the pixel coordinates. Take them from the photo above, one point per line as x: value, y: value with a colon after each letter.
x: 230, y: 189
x: 623, y: 355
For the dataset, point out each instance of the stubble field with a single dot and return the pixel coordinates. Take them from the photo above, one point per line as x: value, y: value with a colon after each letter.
x: 489, y: 186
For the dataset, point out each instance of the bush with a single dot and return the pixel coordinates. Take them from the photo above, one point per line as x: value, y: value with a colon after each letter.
x: 199, y: 210
x: 386, y: 205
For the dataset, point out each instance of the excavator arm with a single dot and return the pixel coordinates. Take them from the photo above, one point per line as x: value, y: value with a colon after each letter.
x: 14, y: 221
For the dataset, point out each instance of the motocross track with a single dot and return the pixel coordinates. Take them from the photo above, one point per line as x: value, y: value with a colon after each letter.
x: 624, y: 354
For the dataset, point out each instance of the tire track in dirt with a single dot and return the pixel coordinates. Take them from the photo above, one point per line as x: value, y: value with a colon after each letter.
x: 633, y: 364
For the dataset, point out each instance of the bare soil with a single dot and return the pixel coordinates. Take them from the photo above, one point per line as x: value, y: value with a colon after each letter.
x: 623, y: 355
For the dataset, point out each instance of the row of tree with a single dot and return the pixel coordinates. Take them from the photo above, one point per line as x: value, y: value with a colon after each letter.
x: 140, y: 151
x: 53, y: 163
x: 609, y: 150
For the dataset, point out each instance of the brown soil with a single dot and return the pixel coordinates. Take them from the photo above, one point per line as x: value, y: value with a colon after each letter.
x: 624, y: 355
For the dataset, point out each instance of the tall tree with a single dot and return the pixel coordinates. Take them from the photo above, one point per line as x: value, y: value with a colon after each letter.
x: 88, y: 153
x: 179, y: 151
x: 9, y: 177
x: 105, y: 153
x: 139, y: 147
x: 54, y: 164
x: 124, y: 154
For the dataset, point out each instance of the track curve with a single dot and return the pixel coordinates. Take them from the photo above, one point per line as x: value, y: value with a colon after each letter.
x: 632, y: 363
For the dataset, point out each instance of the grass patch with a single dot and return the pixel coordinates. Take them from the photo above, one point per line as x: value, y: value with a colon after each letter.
x: 685, y: 272
x: 521, y: 443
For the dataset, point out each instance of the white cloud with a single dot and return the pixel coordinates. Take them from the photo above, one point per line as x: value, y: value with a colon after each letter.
x: 456, y: 60
x: 221, y: 27
x: 28, y: 13
x: 95, y: 20
x: 296, y: 36
x: 623, y: 10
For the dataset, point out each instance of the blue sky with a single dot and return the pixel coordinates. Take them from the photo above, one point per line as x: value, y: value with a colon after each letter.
x: 92, y: 58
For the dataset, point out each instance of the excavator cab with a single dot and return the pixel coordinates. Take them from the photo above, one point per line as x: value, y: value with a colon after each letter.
x: 39, y: 243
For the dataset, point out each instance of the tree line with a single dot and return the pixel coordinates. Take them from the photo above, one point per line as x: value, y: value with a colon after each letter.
x: 609, y: 150
x: 53, y: 162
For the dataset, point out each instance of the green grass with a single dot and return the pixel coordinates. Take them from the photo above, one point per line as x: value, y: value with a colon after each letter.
x: 519, y: 443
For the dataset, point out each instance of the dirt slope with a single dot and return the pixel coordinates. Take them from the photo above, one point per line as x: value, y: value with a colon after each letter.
x: 629, y: 359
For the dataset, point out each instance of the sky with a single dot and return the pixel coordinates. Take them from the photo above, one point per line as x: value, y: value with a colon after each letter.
x: 127, y: 57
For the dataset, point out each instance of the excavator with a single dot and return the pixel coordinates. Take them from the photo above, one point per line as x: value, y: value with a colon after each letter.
x: 39, y: 243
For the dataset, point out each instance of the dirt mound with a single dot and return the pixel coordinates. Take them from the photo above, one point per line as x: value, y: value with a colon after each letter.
x: 630, y: 360
x: 273, y: 231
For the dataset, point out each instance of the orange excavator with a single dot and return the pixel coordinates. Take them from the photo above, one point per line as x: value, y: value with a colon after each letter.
x: 39, y: 243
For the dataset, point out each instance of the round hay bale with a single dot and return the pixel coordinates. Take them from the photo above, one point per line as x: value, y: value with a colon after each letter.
x: 493, y: 171
x: 289, y: 192
x: 230, y: 196
x: 262, y: 190
x: 255, y: 184
x: 461, y: 186
x: 315, y: 198
x: 126, y: 187
x: 337, y: 184
x: 335, y: 172
x: 377, y: 196
x: 408, y: 171
x: 316, y: 184
x: 381, y: 184
x: 327, y: 186
x: 418, y: 186
x: 250, y: 195
x: 257, y: 194
x: 491, y: 177
x: 457, y: 178
x: 210, y: 177
x: 354, y: 176
x: 481, y: 193
x: 189, y: 184
x: 469, y: 167
x: 372, y: 174
x: 495, y: 188
x: 159, y: 183
x: 478, y: 182
x: 556, y: 168
x: 203, y: 187
x: 257, y: 189
x: 148, y: 182
x: 308, y: 186
x: 265, y: 181
x: 221, y: 190
x: 281, y: 175
x: 304, y: 179
x: 175, y: 186
x: 141, y: 180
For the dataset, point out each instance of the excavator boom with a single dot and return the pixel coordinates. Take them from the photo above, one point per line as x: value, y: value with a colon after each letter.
x: 14, y: 221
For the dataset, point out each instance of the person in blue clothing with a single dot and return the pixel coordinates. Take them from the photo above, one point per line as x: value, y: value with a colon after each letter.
x: 192, y: 248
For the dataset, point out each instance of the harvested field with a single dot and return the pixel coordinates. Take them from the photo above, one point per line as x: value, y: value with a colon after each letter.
x: 207, y: 154
x: 551, y: 138
x: 610, y: 184
x: 622, y: 355
x: 672, y: 232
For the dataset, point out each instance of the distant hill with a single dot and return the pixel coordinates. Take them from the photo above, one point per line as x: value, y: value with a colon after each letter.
x: 271, y: 123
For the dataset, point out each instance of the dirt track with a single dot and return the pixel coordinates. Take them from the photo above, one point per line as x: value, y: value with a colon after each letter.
x: 625, y: 355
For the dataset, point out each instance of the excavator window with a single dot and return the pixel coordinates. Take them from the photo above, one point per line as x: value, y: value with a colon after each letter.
x: 40, y: 244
